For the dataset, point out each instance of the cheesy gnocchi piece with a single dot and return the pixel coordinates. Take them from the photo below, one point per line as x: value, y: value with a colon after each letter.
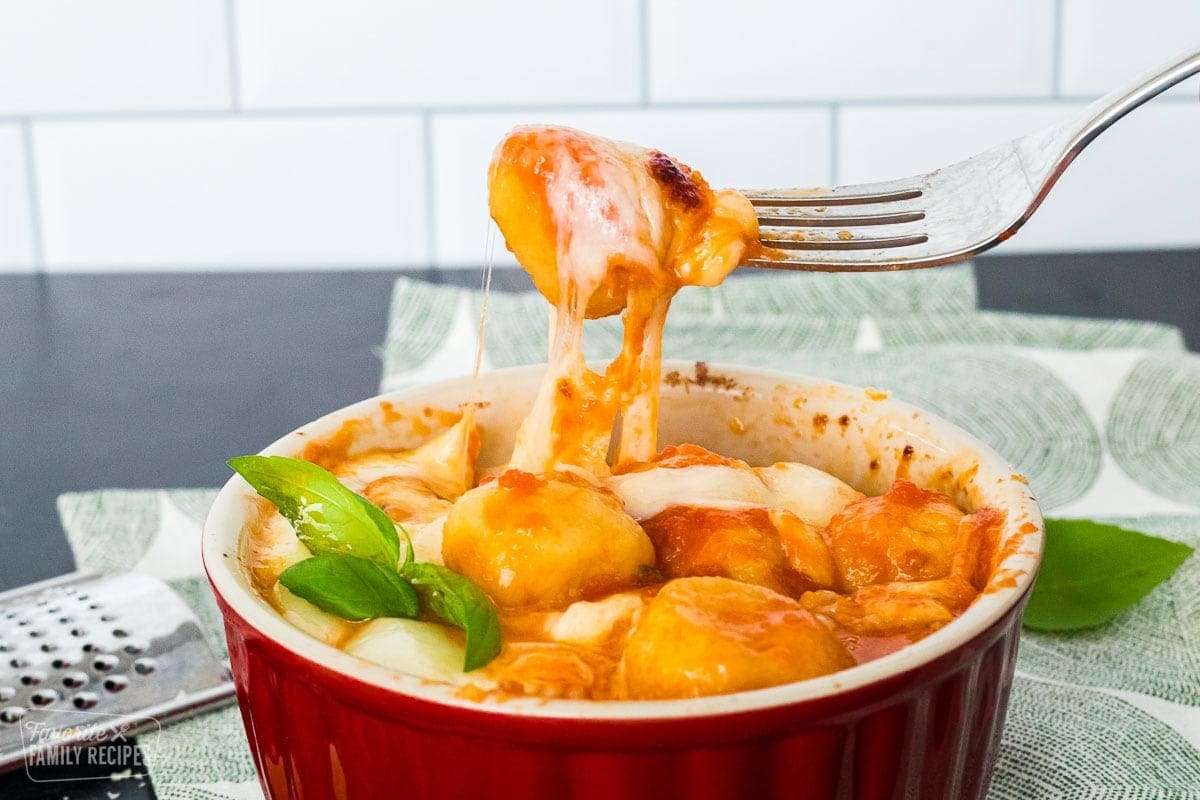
x: 610, y: 217
x: 545, y: 542
x: 905, y: 534
x: 922, y: 562
x: 600, y: 227
x: 741, y: 544
x: 704, y: 636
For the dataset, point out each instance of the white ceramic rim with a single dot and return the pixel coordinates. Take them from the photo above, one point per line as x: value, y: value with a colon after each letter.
x: 226, y: 519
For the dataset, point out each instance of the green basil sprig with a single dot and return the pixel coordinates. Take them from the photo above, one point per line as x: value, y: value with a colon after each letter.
x: 329, y: 518
x: 351, y: 587
x: 356, y: 572
x: 1091, y: 572
x: 461, y: 603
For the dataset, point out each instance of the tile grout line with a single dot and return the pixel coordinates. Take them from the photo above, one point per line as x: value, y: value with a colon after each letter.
x: 33, y: 198
x: 130, y: 115
x: 233, y: 55
x: 644, y: 36
x: 1057, y: 66
x: 430, y: 189
x: 835, y: 133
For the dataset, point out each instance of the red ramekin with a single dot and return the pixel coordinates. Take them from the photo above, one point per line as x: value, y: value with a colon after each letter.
x: 922, y: 723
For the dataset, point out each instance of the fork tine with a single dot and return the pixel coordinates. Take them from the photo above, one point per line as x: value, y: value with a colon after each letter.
x: 848, y: 242
x: 842, y: 196
x: 798, y: 218
x: 844, y: 264
x: 877, y: 225
x: 853, y: 195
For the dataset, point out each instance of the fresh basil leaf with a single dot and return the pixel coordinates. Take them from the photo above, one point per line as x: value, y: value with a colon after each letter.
x: 409, y: 554
x: 350, y: 587
x: 461, y: 603
x: 329, y: 518
x: 1091, y: 572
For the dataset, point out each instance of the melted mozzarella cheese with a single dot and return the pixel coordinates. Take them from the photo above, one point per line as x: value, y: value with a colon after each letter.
x: 591, y: 623
x: 424, y: 649
x: 812, y: 495
x: 650, y: 492
x: 445, y: 463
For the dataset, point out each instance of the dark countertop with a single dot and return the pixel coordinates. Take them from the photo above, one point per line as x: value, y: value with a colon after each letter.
x: 153, y: 380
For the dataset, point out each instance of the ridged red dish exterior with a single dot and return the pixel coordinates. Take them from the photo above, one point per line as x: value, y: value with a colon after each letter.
x: 930, y: 733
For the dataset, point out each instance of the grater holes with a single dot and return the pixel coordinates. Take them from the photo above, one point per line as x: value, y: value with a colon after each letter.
x: 61, y: 663
x: 12, y: 714
x: 135, y: 648
x: 79, y: 633
x: 18, y: 663
x: 105, y: 663
x: 7, y: 693
x: 115, y: 683
x: 76, y: 680
x: 37, y: 633
x: 120, y: 633
x: 44, y: 697
x: 85, y: 700
x: 48, y: 647
x: 144, y: 666
x: 5, y: 647
x: 32, y: 678
x: 108, y: 618
x: 65, y: 620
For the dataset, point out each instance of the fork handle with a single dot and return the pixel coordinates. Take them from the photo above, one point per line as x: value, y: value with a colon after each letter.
x: 1114, y: 105
x: 1056, y: 147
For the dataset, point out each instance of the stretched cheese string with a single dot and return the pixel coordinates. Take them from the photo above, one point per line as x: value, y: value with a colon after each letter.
x: 472, y: 404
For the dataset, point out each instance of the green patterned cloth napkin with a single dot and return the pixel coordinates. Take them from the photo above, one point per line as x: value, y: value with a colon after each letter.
x: 1103, y: 416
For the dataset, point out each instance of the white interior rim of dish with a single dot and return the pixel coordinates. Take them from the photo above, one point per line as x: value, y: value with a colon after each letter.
x: 226, y: 520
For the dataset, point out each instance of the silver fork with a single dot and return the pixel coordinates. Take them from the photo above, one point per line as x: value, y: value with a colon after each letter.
x: 946, y: 215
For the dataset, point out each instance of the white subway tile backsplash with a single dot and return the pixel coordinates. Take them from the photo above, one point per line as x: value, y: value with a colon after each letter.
x: 83, y: 56
x: 456, y: 52
x: 1134, y: 187
x: 759, y: 49
x: 16, y: 219
x: 746, y: 148
x: 1106, y: 43
x: 357, y: 133
x: 232, y: 193
x: 883, y: 142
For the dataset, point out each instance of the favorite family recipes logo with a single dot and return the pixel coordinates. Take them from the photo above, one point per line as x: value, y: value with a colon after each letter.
x: 63, y: 746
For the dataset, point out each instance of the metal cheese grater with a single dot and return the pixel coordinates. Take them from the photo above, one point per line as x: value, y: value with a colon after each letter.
x: 76, y: 649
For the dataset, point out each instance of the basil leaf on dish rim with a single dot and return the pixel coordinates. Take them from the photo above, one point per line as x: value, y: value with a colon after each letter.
x: 350, y: 587
x: 329, y: 518
x: 461, y: 603
x: 1091, y: 572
